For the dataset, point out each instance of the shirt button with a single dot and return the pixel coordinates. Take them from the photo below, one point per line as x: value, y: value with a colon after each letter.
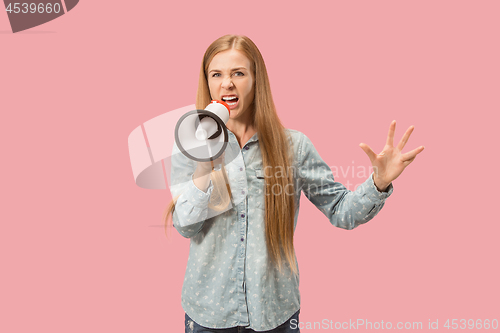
x: 246, y: 148
x: 241, y: 169
x: 242, y: 215
x: 242, y: 192
x: 242, y: 239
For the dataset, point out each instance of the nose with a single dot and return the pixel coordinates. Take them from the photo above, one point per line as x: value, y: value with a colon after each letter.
x: 227, y: 83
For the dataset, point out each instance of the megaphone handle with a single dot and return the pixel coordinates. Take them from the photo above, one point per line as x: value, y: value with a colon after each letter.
x: 210, y: 154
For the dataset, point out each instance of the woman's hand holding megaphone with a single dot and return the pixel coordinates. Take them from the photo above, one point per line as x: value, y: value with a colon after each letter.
x: 201, y: 176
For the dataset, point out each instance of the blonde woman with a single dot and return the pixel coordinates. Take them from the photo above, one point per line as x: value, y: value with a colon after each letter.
x: 242, y: 271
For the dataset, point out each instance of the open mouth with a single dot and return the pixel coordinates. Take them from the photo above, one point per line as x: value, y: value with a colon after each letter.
x: 230, y: 100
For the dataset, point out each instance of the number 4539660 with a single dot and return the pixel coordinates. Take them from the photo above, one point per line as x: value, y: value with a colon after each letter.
x: 471, y: 324
x: 33, y: 8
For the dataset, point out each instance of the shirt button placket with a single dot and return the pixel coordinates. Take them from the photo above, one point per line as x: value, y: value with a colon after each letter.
x: 242, y: 226
x: 241, y: 261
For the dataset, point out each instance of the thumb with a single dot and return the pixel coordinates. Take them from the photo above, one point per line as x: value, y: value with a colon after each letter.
x: 368, y: 151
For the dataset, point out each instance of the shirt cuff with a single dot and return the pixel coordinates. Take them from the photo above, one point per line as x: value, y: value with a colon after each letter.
x: 197, y: 197
x: 373, y: 192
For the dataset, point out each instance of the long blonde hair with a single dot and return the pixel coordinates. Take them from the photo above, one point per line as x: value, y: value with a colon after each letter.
x: 274, y: 147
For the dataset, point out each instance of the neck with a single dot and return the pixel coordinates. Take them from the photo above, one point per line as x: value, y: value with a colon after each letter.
x: 243, y: 130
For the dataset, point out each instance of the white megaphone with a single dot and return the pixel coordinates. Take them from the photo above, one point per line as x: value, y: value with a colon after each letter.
x: 202, y: 135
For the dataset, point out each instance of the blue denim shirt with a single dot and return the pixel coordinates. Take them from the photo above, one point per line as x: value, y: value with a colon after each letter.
x: 228, y: 281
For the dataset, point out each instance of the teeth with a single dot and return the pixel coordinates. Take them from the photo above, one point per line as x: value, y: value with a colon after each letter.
x: 231, y: 103
x: 228, y: 98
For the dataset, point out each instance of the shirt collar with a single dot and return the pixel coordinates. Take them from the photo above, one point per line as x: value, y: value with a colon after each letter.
x: 255, y: 137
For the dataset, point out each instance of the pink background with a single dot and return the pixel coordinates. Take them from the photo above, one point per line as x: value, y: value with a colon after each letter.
x: 82, y: 245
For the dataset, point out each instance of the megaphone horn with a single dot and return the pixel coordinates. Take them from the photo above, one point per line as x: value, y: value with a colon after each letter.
x: 202, y: 135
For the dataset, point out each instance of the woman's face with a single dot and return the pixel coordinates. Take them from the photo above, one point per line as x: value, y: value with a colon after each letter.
x: 230, y: 79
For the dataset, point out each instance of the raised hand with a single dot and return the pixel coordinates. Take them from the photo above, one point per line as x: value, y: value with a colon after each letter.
x: 390, y: 163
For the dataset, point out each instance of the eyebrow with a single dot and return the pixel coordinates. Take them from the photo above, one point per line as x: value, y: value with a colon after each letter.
x: 232, y: 70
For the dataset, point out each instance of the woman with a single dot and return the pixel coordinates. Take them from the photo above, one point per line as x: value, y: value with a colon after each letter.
x: 242, y: 270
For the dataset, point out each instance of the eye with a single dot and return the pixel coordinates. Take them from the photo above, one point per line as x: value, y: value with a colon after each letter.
x: 215, y: 74
x: 239, y: 73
